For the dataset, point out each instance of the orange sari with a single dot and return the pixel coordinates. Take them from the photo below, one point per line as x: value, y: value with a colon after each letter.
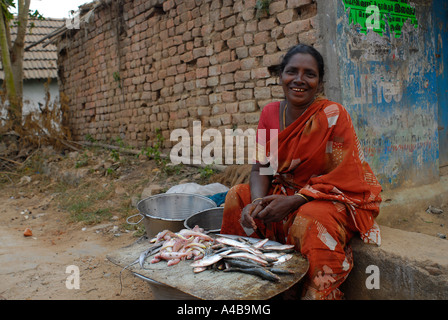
x: 319, y: 155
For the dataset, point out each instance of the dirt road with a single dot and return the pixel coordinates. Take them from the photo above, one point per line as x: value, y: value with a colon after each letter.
x: 35, y: 267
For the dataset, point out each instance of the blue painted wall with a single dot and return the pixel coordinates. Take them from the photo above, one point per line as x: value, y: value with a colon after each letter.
x: 389, y: 85
x: 440, y: 18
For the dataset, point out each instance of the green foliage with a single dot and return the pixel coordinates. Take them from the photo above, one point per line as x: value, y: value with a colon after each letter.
x: 5, y: 5
x: 82, y: 161
x: 207, y: 172
x: 262, y: 7
x: 89, y: 138
x: 155, y: 152
x: 115, y: 155
x: 87, y: 204
x: 117, y: 78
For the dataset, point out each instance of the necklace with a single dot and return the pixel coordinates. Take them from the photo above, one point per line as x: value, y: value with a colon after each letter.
x: 286, y: 107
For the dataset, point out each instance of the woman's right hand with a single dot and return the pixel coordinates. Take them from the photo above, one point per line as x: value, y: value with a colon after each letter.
x: 249, y: 212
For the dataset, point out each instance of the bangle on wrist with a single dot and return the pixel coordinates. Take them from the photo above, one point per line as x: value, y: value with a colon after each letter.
x: 303, y: 196
x: 257, y: 199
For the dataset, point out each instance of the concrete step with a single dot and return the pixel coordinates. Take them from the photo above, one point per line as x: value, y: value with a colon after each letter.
x: 407, y: 266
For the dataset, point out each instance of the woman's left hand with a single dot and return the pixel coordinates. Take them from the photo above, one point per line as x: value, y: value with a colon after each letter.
x: 276, y: 207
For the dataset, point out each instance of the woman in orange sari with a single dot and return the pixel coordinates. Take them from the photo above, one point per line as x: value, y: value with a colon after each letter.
x: 321, y: 191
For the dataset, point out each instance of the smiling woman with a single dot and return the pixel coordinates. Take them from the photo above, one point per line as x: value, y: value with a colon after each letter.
x: 322, y: 192
x: 301, y: 82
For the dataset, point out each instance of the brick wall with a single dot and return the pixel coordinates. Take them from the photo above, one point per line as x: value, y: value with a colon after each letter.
x: 137, y: 66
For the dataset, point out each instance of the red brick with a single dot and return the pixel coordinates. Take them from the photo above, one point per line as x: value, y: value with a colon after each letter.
x: 227, y: 78
x: 267, y: 24
x: 298, y: 3
x: 228, y: 96
x: 242, y: 76
x: 297, y: 27
x: 231, y: 66
x: 235, y: 42
x: 168, y: 5
x: 309, y: 37
x: 257, y: 51
x: 215, y: 70
x: 260, y: 73
x: 262, y: 37
x: 201, y: 73
x: 252, y: 118
x: 286, y: 16
x: 272, y: 59
x: 276, y: 7
x: 203, y: 62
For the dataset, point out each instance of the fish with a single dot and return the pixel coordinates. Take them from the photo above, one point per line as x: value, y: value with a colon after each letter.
x: 199, y: 269
x: 168, y: 244
x: 163, y: 235
x: 281, y: 271
x: 172, y: 262
x: 260, y: 244
x: 218, y: 246
x: 259, y: 264
x: 247, y: 256
x: 283, y: 258
x: 207, y: 261
x: 241, y: 263
x: 241, y: 249
x: 188, y: 233
x: 148, y: 252
x: 231, y: 242
x: 273, y: 255
x: 261, y: 272
x: 164, y: 255
x: 283, y: 247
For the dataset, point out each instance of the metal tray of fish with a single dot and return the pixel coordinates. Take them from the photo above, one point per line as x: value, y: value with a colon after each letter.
x: 180, y: 282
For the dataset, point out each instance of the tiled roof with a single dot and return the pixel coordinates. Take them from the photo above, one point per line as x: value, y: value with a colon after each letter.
x: 39, y: 62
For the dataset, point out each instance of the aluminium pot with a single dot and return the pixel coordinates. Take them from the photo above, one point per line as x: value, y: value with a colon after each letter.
x: 209, y: 219
x: 168, y: 211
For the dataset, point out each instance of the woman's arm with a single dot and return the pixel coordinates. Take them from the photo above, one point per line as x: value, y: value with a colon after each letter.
x: 259, y: 188
x: 259, y: 184
x: 269, y: 208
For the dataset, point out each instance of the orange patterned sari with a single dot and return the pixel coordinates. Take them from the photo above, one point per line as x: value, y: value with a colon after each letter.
x: 319, y: 155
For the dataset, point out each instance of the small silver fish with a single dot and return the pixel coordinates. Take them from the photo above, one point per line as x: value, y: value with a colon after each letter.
x: 248, y: 256
x: 260, y: 244
x: 207, y: 261
x: 231, y: 242
x: 258, y: 271
x: 283, y: 258
x: 281, y: 271
x: 283, y: 247
x: 241, y: 263
x: 148, y: 252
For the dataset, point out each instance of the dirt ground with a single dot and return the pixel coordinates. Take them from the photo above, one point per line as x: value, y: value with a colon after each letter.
x: 44, y: 198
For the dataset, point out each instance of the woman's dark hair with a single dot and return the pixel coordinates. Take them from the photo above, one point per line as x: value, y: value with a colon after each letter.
x: 303, y: 48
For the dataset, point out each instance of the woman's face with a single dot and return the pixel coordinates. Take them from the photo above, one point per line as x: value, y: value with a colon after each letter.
x: 300, y: 80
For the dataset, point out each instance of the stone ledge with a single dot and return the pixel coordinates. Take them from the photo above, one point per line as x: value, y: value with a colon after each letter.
x: 412, y: 266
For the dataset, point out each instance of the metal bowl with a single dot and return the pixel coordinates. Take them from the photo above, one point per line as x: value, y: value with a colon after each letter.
x: 210, y: 220
x: 168, y: 211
